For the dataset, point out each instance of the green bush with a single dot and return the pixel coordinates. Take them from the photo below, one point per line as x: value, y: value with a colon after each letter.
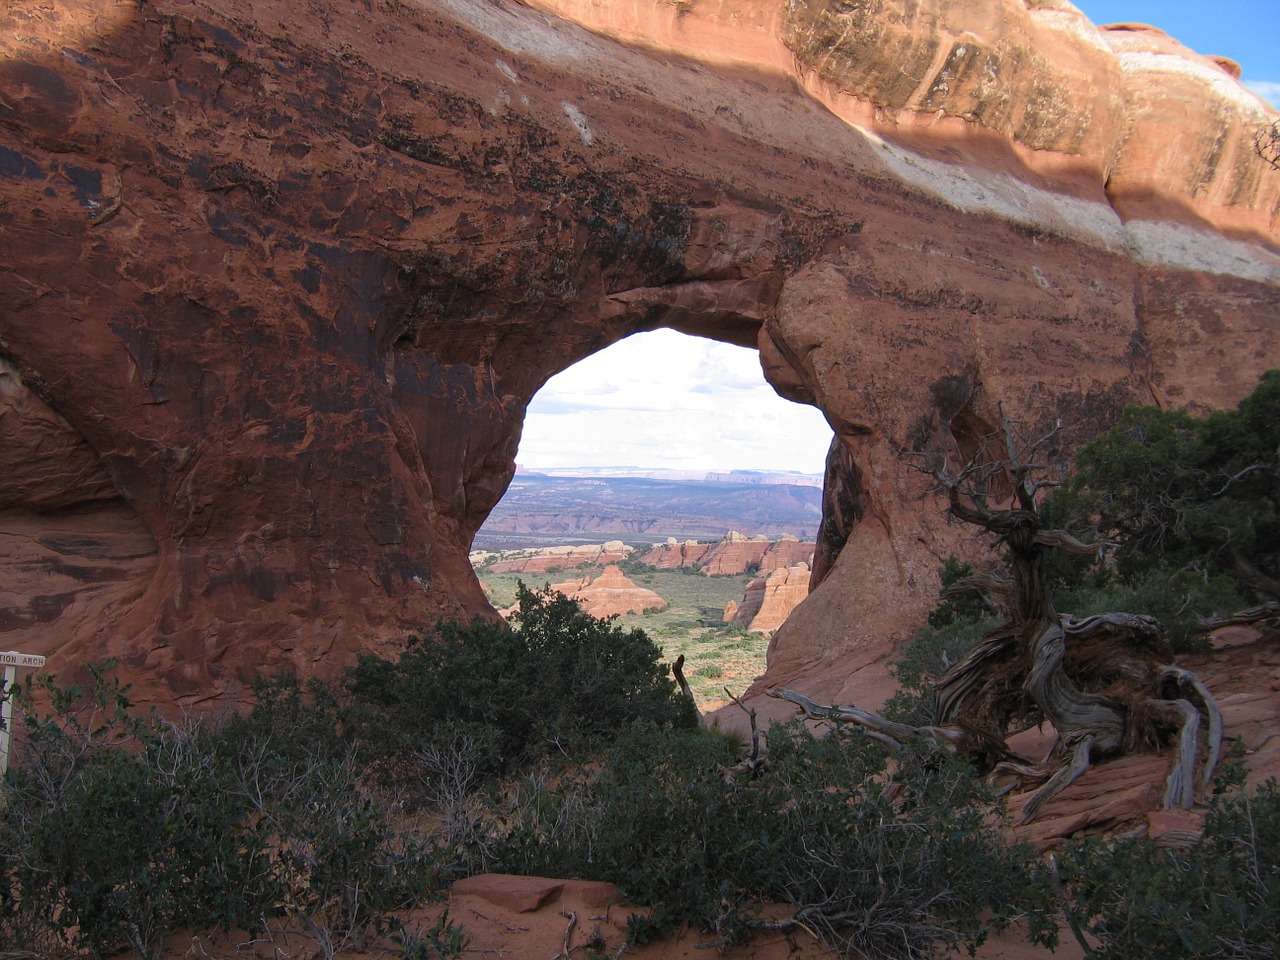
x: 886, y: 865
x: 1218, y: 899
x: 116, y: 829
x: 1193, y: 504
x: 556, y: 679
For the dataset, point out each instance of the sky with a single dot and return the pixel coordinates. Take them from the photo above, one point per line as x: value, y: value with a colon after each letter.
x: 665, y: 400
x: 670, y: 401
x: 1247, y: 31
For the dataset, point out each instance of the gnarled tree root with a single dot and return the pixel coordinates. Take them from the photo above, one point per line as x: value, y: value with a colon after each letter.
x: 1102, y: 683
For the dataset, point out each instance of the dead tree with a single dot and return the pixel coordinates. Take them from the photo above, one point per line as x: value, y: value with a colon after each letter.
x: 1266, y: 143
x: 1106, y: 683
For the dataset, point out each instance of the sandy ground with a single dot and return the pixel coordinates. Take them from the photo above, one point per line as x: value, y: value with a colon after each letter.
x: 532, y: 918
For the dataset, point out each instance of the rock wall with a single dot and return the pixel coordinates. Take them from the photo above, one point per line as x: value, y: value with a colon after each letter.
x: 281, y: 280
x: 768, y: 601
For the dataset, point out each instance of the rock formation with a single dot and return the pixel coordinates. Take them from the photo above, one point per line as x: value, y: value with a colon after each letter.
x: 675, y: 554
x: 732, y: 555
x: 547, y: 559
x: 768, y: 601
x: 279, y: 285
x: 611, y: 594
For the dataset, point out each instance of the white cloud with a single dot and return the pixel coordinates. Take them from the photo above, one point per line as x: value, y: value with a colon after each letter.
x: 666, y: 400
x: 1268, y: 90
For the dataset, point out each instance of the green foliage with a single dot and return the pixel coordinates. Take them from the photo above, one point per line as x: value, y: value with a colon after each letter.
x: 117, y: 829
x: 556, y: 678
x: 1192, y: 502
x: 441, y: 941
x: 819, y: 830
x: 966, y: 607
x: 1218, y: 899
x: 1178, y: 598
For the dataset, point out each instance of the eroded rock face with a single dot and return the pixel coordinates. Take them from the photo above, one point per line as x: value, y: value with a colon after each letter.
x: 768, y: 601
x: 562, y: 558
x: 278, y: 287
x: 732, y: 555
x: 612, y: 594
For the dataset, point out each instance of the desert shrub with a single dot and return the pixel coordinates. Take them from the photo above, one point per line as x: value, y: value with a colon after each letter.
x: 1193, y: 505
x: 644, y: 817
x: 1218, y: 899
x: 116, y: 828
x: 339, y: 865
x: 443, y: 940
x: 556, y: 679
x: 1178, y: 598
x: 886, y: 865
x: 895, y: 858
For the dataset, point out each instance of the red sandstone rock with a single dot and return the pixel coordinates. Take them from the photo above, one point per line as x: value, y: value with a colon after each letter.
x: 284, y: 285
x: 527, y: 894
x: 768, y: 601
x: 562, y: 558
x: 735, y: 554
x: 674, y: 553
x: 610, y: 594
x: 786, y: 552
x: 1175, y: 828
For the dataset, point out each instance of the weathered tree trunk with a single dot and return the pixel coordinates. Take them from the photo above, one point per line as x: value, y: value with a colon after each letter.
x: 1105, y: 683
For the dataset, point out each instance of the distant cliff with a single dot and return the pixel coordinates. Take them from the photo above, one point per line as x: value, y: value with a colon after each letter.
x: 540, y: 509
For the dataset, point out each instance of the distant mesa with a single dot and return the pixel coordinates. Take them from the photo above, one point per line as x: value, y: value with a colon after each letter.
x: 538, y: 509
x: 761, y: 477
x: 731, y: 555
x: 768, y: 601
x: 546, y: 559
x: 611, y: 594
x: 734, y: 554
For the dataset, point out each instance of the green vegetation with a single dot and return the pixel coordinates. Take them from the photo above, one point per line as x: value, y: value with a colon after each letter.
x: 1193, y: 505
x: 955, y: 625
x: 690, y: 625
x: 881, y: 865
x: 289, y: 820
x: 553, y: 677
x: 1220, y: 898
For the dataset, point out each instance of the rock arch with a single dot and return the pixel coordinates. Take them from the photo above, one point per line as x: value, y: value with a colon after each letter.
x: 293, y: 281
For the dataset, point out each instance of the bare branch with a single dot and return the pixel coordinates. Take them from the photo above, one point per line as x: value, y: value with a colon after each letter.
x: 677, y: 669
x: 1252, y: 468
x: 1266, y: 143
x: 991, y: 582
x: 896, y: 733
x: 1266, y: 611
x: 754, y: 762
x: 1061, y: 540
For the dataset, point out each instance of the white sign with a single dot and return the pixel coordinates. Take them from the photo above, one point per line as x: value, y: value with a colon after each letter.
x: 11, y: 661
x: 15, y: 659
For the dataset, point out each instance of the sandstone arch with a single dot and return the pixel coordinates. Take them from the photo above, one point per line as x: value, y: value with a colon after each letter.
x: 293, y: 280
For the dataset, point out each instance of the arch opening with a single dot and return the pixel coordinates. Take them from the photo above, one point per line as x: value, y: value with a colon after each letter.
x: 661, y: 456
